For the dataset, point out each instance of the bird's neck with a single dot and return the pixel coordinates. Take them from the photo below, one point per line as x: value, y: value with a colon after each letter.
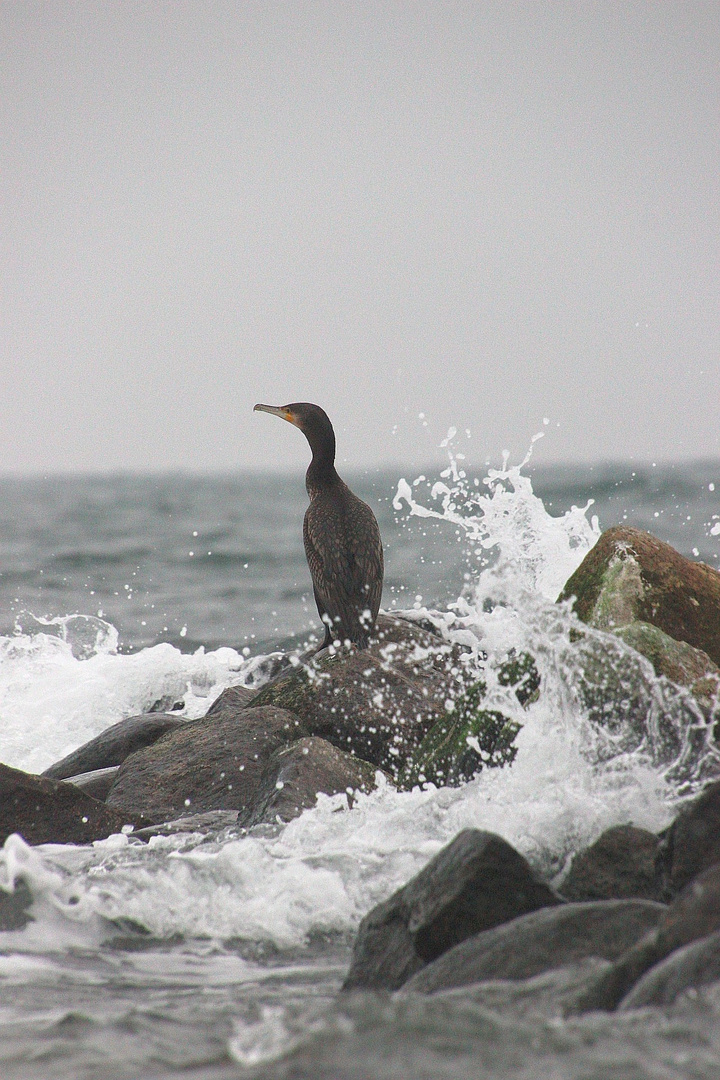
x: 321, y: 472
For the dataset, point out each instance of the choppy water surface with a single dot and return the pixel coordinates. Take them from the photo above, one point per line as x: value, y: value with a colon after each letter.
x: 220, y: 956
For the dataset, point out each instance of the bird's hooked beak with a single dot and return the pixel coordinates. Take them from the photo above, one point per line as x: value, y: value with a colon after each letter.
x: 277, y: 410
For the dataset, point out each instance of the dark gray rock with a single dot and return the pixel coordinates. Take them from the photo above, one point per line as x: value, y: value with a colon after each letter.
x: 46, y: 811
x: 695, y: 914
x: 377, y: 703
x: 214, y: 763
x: 688, y: 968
x: 15, y: 906
x: 235, y: 697
x: 619, y: 865
x: 295, y: 774
x: 476, y: 882
x: 113, y: 745
x: 545, y: 939
x: 96, y: 783
x: 692, y: 843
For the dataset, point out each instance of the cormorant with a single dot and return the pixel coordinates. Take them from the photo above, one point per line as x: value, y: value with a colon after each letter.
x: 342, y: 538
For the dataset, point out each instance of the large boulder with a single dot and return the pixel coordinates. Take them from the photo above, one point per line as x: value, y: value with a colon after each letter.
x: 619, y: 865
x: 545, y: 939
x: 214, y: 763
x: 46, y: 811
x: 113, y: 745
x: 685, y: 969
x: 631, y: 576
x: 295, y: 774
x: 695, y: 914
x: 377, y: 703
x: 473, y: 884
x: 692, y: 843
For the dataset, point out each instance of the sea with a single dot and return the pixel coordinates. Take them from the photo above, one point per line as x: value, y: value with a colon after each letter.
x: 210, y: 956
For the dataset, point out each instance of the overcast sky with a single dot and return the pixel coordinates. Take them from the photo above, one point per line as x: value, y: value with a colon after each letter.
x: 488, y: 213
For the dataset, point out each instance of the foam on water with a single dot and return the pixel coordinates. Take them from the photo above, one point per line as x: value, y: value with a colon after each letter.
x: 322, y: 872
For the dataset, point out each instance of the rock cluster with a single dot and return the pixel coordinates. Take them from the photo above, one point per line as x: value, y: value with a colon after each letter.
x: 411, y: 707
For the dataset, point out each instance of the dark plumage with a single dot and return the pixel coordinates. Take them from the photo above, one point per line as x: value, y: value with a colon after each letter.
x: 342, y: 538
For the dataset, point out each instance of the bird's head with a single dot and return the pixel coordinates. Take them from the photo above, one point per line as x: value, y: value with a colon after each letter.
x: 313, y: 421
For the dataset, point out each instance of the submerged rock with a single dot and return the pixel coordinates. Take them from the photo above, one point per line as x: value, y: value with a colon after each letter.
x: 473, y: 884
x: 113, y: 745
x: 687, y: 968
x: 545, y: 939
x: 15, y: 906
x: 377, y: 703
x: 631, y: 576
x: 295, y: 774
x: 214, y: 763
x: 47, y: 811
x: 695, y: 914
x: 619, y: 865
x: 692, y: 843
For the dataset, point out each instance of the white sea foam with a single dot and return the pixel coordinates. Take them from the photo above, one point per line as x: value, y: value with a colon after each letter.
x: 323, y: 871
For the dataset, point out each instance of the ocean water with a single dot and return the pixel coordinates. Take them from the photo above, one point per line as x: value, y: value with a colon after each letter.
x: 220, y: 956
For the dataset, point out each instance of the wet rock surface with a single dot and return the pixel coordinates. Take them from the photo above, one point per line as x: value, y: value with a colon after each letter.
x: 685, y: 969
x: 214, y: 763
x: 545, y: 939
x: 47, y: 811
x: 619, y: 865
x: 113, y: 745
x: 473, y: 884
x: 631, y: 576
x: 692, y: 843
x: 695, y: 914
x: 295, y: 774
x: 676, y: 660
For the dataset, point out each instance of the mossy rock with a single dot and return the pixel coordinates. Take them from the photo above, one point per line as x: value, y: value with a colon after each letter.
x: 520, y: 671
x: 463, y: 743
x: 631, y: 576
x: 677, y: 661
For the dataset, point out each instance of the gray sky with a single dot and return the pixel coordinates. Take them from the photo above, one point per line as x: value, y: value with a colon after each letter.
x: 486, y: 212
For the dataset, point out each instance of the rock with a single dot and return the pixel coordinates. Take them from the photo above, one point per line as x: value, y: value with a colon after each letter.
x: 295, y: 774
x: 46, y: 811
x: 473, y: 884
x: 619, y: 692
x: 630, y: 575
x: 377, y: 703
x: 462, y: 743
x: 695, y: 914
x: 619, y: 865
x: 15, y: 906
x: 692, y: 843
x: 677, y: 661
x: 96, y: 783
x: 235, y: 697
x: 113, y: 745
x: 214, y: 763
x: 214, y: 821
x: 545, y: 939
x: 688, y: 968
